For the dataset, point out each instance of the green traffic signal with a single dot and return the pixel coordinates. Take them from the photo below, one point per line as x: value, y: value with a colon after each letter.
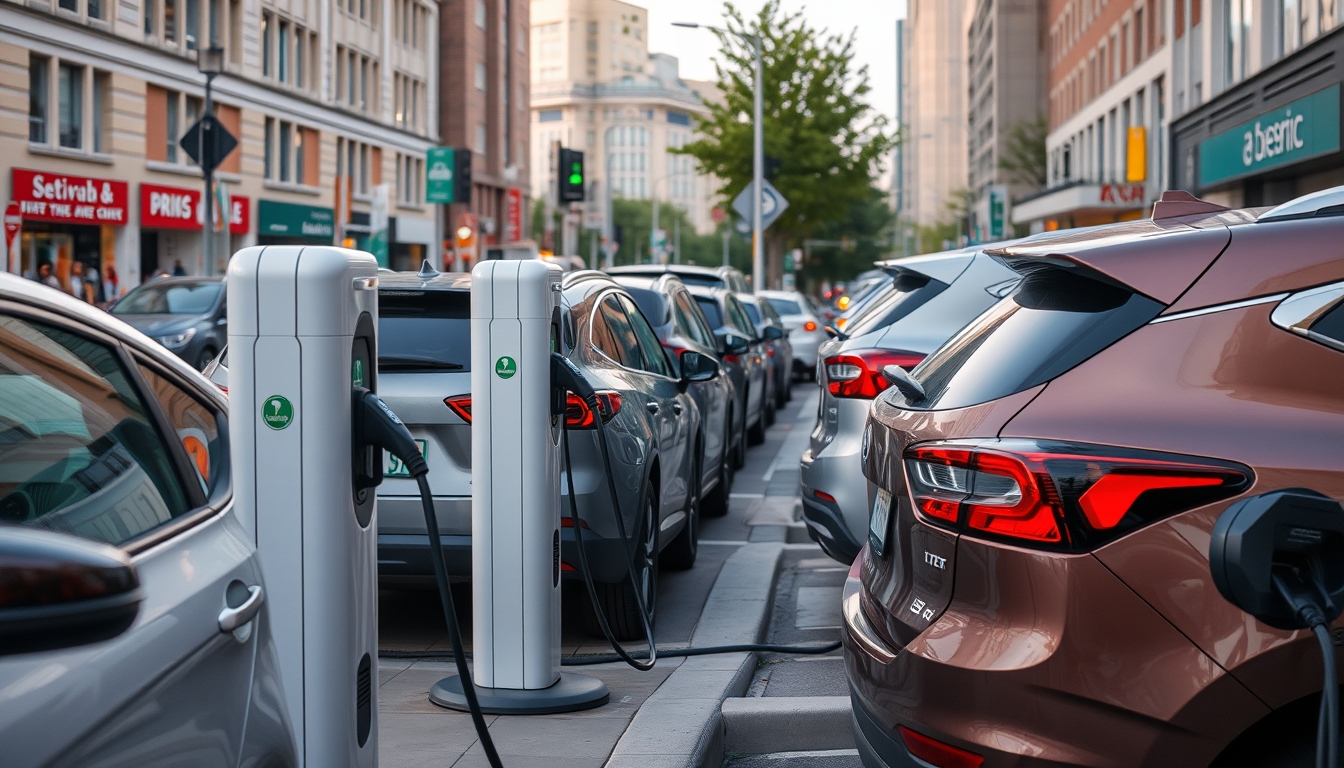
x: 575, y: 178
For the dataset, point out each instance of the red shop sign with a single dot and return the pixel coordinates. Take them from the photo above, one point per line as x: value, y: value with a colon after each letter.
x: 46, y: 196
x: 513, y: 216
x: 163, y: 207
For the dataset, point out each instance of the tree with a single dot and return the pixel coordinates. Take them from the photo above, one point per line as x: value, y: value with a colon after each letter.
x: 817, y: 123
x: 1024, y: 156
x: 865, y: 230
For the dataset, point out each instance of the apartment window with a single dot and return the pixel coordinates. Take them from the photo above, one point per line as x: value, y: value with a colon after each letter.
x: 480, y: 138
x: 172, y: 126
x: 286, y: 150
x: 363, y: 169
x: 70, y: 92
x: 193, y: 15
x: 299, y: 52
x: 1237, y: 14
x: 410, y: 171
x: 102, y: 104
x: 300, y: 175
x: 282, y: 52
x: 39, y: 99
x: 480, y: 13
x: 170, y: 21
x: 147, y: 11
x: 480, y: 76
x: 266, y: 27
x: 268, y: 149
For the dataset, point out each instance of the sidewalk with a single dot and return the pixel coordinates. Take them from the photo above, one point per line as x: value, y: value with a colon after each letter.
x: 669, y: 716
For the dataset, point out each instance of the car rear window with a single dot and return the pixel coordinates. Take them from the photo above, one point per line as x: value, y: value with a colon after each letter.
x: 709, y: 281
x: 908, y: 292
x: 423, y: 331
x: 1055, y: 320
x: 786, y: 306
x: 652, y: 304
x: 711, y: 310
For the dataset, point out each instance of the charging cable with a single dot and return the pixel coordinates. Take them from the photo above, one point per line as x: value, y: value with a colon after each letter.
x: 1306, y: 606
x: 376, y: 425
x: 565, y: 375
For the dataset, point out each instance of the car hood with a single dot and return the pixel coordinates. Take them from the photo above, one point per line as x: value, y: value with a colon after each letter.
x: 158, y: 325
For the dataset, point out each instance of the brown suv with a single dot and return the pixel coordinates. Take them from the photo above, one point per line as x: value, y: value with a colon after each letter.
x: 1035, y: 589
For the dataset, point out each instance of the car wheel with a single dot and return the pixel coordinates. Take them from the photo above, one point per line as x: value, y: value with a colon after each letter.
x: 716, y: 503
x: 207, y: 354
x: 768, y: 414
x: 617, y: 601
x: 755, y: 432
x: 681, y: 551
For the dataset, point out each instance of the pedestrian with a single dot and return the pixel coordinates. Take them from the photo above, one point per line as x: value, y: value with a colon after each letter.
x: 178, y: 269
x: 45, y: 277
x: 95, y: 285
x: 111, y: 285
x: 80, y: 288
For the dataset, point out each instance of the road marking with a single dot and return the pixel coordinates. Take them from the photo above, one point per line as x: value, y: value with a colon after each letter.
x: 722, y: 543
x: 745, y: 495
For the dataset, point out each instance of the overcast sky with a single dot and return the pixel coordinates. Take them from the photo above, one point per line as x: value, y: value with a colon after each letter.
x: 874, y: 20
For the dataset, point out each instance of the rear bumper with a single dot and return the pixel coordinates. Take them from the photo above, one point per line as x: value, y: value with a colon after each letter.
x: 406, y: 556
x: 876, y: 748
x: 836, y: 470
x: 826, y: 526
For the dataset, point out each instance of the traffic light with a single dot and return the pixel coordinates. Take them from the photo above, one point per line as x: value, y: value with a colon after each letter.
x: 461, y: 175
x: 571, y: 176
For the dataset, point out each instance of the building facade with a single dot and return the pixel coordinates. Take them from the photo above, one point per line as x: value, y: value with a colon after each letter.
x: 95, y: 96
x: 596, y: 88
x: 1257, y: 99
x: 484, y: 86
x: 933, y: 109
x: 1005, y: 89
x: 1109, y: 109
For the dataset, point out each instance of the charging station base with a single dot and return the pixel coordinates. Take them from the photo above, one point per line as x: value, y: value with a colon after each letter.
x: 572, y: 693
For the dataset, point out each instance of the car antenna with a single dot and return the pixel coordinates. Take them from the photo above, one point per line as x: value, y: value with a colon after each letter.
x: 427, y: 270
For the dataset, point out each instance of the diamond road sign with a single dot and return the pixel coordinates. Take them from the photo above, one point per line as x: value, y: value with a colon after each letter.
x: 208, y: 142
x: 772, y: 204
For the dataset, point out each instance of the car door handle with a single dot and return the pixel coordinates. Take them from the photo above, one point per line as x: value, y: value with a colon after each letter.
x: 652, y: 406
x: 676, y: 408
x: 233, y: 618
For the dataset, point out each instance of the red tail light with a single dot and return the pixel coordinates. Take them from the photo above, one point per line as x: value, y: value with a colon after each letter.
x: 809, y: 326
x: 770, y: 351
x: 730, y: 358
x: 935, y: 752
x: 579, y: 416
x: 859, y: 374
x: 461, y: 405
x: 568, y: 522
x: 1059, y: 495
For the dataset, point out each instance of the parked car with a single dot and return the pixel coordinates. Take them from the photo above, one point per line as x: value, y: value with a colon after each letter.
x: 111, y: 438
x: 187, y: 315
x: 681, y: 325
x: 778, y: 352
x: 743, y: 354
x: 804, y: 326
x: 691, y: 275
x: 926, y: 301
x: 1089, y: 431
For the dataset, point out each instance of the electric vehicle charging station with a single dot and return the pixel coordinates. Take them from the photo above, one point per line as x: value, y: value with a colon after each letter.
x: 515, y: 546
x: 302, y: 335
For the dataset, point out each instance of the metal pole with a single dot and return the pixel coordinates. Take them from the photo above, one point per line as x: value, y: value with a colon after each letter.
x: 757, y: 177
x: 726, y: 233
x: 592, y: 249
x: 654, y: 258
x: 608, y: 226
x: 676, y: 239
x: 208, y: 228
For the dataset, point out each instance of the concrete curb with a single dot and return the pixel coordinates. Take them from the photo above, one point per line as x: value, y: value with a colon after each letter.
x: 764, y: 725
x: 680, y: 725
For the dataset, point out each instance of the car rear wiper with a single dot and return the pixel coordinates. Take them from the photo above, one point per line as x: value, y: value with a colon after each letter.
x: 417, y: 363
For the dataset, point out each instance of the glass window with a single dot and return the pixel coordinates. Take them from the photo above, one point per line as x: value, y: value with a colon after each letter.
x: 691, y: 321
x: 70, y: 87
x: 710, y: 308
x: 282, y: 51
x: 424, y: 330
x: 215, y: 22
x: 622, y: 335
x: 752, y: 312
x: 170, y: 21
x: 39, y: 99
x: 170, y: 118
x: 101, y: 86
x: 70, y: 5
x: 196, y: 426
x: 265, y: 44
x: 147, y: 10
x: 655, y: 358
x: 300, y: 172
x: 738, y: 316
x: 177, y: 298
x: 95, y: 9
x: 1053, y: 322
x: 193, y: 23
x: 785, y: 306
x: 78, y: 451
x: 286, y: 148
x: 267, y: 150
x: 298, y: 59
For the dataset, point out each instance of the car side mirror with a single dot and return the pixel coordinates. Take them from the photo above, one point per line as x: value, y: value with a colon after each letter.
x: 736, y: 345
x: 772, y: 333
x: 697, y: 367
x: 58, y: 591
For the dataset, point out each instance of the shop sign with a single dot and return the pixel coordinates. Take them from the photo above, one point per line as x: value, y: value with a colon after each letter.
x: 513, y: 216
x: 1123, y: 195
x: 294, y: 220
x: 1303, y: 129
x: 176, y: 208
x: 59, y: 197
x: 439, y: 174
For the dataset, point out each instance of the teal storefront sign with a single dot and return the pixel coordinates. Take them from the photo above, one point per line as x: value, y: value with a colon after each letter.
x: 293, y: 220
x: 439, y: 164
x: 1306, y: 128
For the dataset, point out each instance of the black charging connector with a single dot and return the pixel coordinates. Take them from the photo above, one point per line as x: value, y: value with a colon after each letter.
x: 374, y: 427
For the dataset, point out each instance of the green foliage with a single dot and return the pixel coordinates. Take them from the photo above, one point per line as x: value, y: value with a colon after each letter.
x: 816, y: 121
x: 867, y: 226
x: 1024, y: 156
x: 947, y: 233
x: 635, y: 220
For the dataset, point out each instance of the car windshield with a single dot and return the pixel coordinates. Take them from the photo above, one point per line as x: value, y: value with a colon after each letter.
x: 170, y: 299
x: 424, y: 331
x: 786, y: 306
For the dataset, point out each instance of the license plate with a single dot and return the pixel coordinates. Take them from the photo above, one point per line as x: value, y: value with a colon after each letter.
x: 878, y: 521
x: 397, y: 468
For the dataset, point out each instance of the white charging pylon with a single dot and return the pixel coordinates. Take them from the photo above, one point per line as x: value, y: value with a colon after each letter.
x: 515, y: 517
x: 302, y: 332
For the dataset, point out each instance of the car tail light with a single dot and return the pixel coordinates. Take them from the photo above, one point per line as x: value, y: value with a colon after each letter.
x: 770, y: 351
x: 859, y: 374
x: 568, y: 522
x: 579, y: 416
x: 809, y: 326
x: 1059, y: 495
x: 824, y: 496
x: 843, y: 303
x: 461, y: 405
x: 936, y: 753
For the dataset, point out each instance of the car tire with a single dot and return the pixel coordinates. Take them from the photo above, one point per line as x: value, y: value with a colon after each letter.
x: 681, y: 551
x: 716, y: 503
x: 617, y: 601
x: 768, y: 414
x: 756, y: 432
x: 203, y: 359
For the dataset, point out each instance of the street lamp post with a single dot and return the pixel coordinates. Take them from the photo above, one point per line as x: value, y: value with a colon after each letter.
x: 757, y: 151
x: 210, y: 62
